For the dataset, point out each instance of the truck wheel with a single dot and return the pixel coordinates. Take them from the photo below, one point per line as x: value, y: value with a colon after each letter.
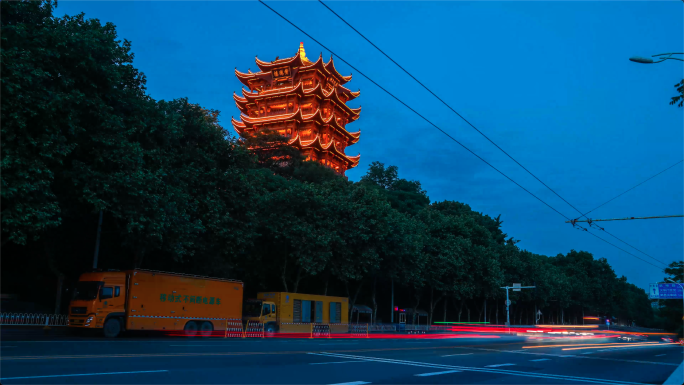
x: 270, y: 328
x: 206, y: 329
x: 191, y: 329
x: 112, y: 328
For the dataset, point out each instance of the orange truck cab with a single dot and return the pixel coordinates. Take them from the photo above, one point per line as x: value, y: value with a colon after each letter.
x: 139, y: 299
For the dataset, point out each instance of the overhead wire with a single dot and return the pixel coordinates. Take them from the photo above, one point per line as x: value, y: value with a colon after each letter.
x: 490, y: 140
x: 442, y: 131
x: 631, y: 188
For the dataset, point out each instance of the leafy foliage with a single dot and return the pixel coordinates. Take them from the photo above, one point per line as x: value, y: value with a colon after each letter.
x: 679, y: 98
x: 80, y: 136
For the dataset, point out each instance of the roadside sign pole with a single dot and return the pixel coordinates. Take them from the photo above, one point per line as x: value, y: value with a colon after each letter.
x: 515, y: 287
x: 508, y: 316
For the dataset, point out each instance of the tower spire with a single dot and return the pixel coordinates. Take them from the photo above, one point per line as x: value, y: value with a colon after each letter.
x: 302, y: 53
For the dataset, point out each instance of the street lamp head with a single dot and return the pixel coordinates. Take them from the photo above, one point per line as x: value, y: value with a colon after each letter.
x: 639, y: 59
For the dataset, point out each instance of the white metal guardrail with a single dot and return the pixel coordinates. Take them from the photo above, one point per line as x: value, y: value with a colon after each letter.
x: 417, y: 328
x: 33, y: 319
x: 382, y: 328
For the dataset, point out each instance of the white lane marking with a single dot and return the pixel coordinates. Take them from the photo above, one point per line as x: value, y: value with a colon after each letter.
x: 660, y: 355
x: 436, y: 373
x: 352, y: 383
x: 460, y: 354
x: 205, y: 345
x: 83, y: 374
x: 541, y: 359
x: 497, y: 365
x: 336, y: 362
x: 474, y: 369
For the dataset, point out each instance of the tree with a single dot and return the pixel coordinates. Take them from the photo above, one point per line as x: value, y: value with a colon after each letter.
x: 404, y: 195
x: 679, y: 98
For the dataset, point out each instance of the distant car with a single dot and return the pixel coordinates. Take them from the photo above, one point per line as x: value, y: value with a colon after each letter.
x: 667, y: 339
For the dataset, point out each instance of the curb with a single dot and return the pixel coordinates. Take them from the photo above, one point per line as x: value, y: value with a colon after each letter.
x: 677, y: 377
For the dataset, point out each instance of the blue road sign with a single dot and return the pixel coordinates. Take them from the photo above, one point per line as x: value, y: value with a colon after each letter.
x: 664, y: 291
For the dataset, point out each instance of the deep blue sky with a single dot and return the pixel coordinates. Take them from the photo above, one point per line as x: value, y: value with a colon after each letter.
x: 548, y: 81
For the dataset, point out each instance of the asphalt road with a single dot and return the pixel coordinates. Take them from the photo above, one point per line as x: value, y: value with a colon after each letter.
x: 500, y: 360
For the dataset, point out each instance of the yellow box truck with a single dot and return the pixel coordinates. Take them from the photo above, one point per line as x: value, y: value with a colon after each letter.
x: 295, y: 312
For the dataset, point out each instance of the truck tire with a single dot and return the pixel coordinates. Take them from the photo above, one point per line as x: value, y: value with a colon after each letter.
x: 270, y: 328
x: 190, y: 329
x: 206, y: 328
x: 112, y: 328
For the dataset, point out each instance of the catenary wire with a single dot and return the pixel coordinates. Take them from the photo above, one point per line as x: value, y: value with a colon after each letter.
x: 485, y: 136
x: 441, y: 130
x: 414, y: 111
x: 449, y: 107
x: 631, y: 188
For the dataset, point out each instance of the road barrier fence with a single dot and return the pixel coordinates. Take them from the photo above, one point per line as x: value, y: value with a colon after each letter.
x: 254, y: 329
x: 320, y: 331
x: 234, y: 328
x: 33, y: 319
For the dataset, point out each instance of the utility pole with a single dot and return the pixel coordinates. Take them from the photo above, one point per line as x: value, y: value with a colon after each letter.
x: 680, y: 285
x: 515, y: 287
x: 392, y: 314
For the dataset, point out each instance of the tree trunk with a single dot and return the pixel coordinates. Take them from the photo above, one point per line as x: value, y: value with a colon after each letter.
x: 283, y: 275
x: 460, y: 309
x: 497, y: 311
x: 468, y: 310
x: 375, y: 304
x: 325, y: 288
x: 297, y: 279
x: 139, y: 257
x: 60, y: 277
x: 352, y: 300
x: 445, y: 306
x: 433, y: 304
x: 415, y: 307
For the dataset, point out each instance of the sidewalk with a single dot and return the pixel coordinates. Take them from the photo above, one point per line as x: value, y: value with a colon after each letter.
x: 677, y: 377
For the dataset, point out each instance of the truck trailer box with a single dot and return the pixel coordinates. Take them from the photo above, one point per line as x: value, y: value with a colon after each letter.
x: 167, y: 301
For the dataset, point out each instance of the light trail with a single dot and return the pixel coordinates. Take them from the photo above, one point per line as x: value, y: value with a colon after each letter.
x: 575, y: 345
x: 617, y: 346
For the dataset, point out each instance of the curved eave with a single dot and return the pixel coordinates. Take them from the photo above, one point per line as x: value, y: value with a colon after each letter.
x: 249, y: 121
x: 318, y: 65
x: 317, y: 117
x: 352, y: 136
x: 238, y: 126
x: 353, y: 112
x: 351, y: 94
x: 329, y: 147
x: 294, y: 61
x: 330, y: 67
x: 238, y: 100
x: 244, y: 78
x: 299, y: 89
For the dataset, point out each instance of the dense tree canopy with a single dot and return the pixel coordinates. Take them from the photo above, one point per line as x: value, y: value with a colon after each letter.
x: 81, y: 136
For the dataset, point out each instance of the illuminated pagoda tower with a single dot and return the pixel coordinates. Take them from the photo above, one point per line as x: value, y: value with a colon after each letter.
x: 304, y: 101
